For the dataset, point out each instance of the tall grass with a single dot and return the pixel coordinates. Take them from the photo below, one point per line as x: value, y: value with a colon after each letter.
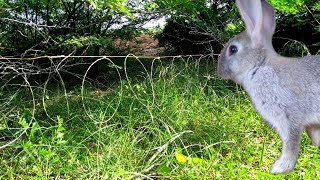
x: 152, y: 119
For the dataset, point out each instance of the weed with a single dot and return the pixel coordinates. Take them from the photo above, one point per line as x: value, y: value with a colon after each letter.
x: 170, y: 119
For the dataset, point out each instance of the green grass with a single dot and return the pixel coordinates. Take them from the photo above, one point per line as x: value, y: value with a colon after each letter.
x: 176, y: 120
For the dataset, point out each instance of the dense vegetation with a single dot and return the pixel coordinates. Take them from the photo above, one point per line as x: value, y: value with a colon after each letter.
x: 131, y: 118
x: 298, y: 27
x: 90, y: 26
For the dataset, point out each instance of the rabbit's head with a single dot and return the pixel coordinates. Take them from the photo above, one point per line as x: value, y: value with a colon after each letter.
x: 249, y: 48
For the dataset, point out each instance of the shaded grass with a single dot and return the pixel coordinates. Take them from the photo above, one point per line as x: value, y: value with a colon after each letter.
x: 136, y: 129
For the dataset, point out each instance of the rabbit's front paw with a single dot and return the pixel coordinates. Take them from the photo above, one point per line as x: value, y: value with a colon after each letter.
x: 283, y: 166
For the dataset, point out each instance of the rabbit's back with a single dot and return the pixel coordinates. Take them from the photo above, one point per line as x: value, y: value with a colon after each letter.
x: 310, y: 81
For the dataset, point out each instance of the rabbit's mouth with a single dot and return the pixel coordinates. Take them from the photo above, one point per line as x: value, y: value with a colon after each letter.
x: 224, y: 72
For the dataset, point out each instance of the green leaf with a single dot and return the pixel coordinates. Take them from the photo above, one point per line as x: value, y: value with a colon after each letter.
x: 23, y: 123
x: 33, y: 129
x: 60, y: 121
x: 61, y: 142
x: 93, y: 3
x: 289, y: 6
x: 44, y: 152
x: 60, y: 135
x: 2, y: 127
x: 3, y: 4
x: 195, y: 161
x: 163, y: 170
x: 27, y: 145
x: 316, y: 7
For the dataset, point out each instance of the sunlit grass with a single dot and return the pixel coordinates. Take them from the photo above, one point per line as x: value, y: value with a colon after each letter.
x: 175, y: 120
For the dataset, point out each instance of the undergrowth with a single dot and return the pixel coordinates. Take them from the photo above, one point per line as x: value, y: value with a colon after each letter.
x: 161, y: 119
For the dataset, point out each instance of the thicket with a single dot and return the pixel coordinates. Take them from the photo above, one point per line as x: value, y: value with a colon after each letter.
x: 89, y: 27
x: 54, y: 27
x: 209, y: 24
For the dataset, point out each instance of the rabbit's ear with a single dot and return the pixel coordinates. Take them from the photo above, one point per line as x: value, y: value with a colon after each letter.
x: 258, y: 16
x: 269, y: 20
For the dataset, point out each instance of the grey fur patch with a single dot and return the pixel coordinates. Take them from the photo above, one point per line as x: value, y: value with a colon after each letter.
x: 257, y: 67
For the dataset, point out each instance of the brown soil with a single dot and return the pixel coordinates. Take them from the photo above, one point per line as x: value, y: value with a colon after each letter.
x: 143, y: 45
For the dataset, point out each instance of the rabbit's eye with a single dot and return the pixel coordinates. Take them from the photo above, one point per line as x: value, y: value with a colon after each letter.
x: 233, y: 49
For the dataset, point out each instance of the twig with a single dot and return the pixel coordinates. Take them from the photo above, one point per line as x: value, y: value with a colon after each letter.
x: 139, y: 57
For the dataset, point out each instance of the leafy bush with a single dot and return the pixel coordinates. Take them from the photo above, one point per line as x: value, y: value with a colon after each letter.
x: 213, y: 23
x: 203, y: 32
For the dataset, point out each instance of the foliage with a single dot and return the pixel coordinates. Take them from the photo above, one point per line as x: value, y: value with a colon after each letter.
x: 288, y: 6
x: 204, y: 26
x: 297, y: 21
x: 197, y: 27
x: 52, y: 26
x: 91, y: 26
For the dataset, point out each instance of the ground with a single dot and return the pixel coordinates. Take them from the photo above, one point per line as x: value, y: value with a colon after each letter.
x: 143, y: 45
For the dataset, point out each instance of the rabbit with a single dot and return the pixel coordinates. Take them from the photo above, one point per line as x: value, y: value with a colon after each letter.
x: 285, y: 91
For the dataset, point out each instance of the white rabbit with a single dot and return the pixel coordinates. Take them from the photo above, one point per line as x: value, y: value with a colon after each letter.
x: 284, y: 91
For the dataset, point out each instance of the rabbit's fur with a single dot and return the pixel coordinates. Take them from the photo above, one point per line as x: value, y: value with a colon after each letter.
x: 284, y: 91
